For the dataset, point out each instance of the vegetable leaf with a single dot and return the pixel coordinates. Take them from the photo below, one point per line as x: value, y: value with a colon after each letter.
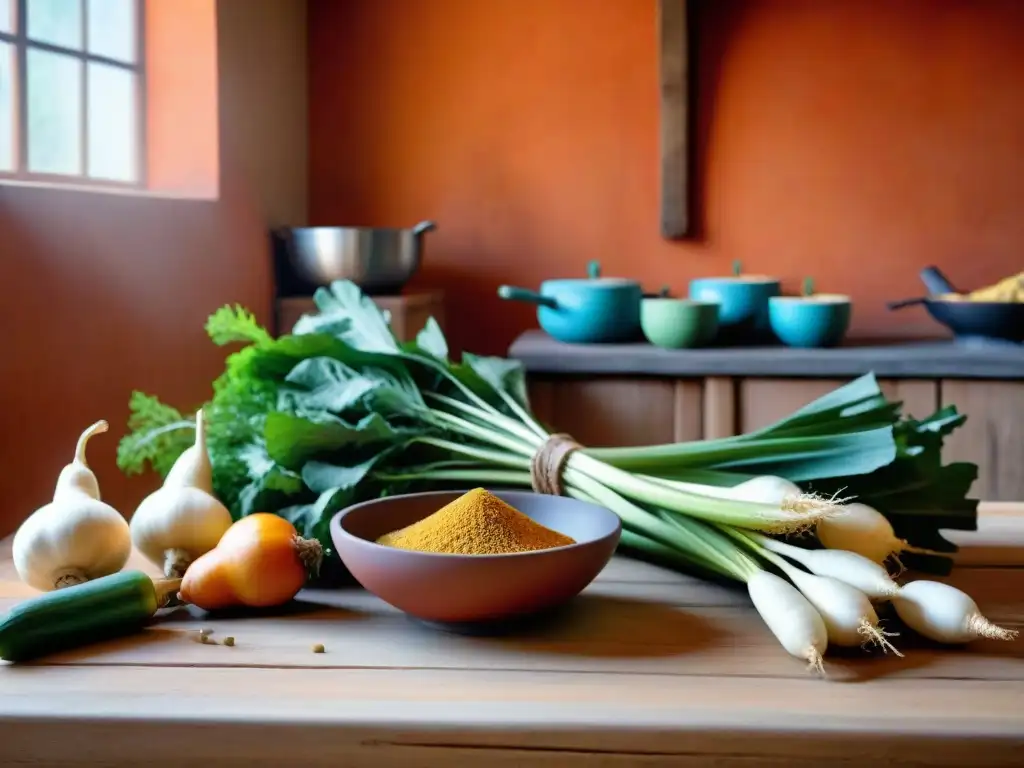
x: 294, y: 440
x: 351, y: 316
x: 158, y: 434
x: 432, y: 341
x: 503, y: 375
x: 231, y: 324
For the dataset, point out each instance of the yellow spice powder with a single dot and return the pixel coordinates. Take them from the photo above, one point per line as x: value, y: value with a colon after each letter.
x: 476, y: 523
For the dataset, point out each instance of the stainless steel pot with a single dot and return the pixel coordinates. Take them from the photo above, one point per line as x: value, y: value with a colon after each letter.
x: 378, y: 260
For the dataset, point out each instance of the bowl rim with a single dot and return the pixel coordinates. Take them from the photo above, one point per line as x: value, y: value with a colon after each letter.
x: 338, y: 517
x: 684, y: 301
x: 599, y: 283
x: 739, y: 280
x: 823, y: 299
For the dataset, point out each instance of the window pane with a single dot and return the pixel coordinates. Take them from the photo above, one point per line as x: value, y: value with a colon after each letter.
x: 112, y: 28
x: 111, y: 130
x: 58, y: 22
x: 54, y: 113
x: 6, y: 15
x: 6, y: 107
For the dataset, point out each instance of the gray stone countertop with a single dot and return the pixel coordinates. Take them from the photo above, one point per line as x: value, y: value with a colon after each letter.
x: 966, y: 359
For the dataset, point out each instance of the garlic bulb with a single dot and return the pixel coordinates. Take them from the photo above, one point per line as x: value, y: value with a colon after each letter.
x: 76, y: 537
x: 183, y: 519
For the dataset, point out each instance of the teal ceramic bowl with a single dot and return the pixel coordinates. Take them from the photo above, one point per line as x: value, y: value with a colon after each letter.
x: 678, y: 323
x: 591, y: 310
x: 743, y: 303
x: 819, y: 320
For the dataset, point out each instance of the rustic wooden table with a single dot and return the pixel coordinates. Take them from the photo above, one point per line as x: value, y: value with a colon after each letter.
x: 646, y: 668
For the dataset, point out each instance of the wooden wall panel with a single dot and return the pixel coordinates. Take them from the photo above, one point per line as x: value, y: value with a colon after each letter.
x: 991, y: 437
x: 614, y: 411
x: 542, y: 398
x: 689, y: 410
x: 720, y: 417
x: 764, y: 401
x: 920, y: 397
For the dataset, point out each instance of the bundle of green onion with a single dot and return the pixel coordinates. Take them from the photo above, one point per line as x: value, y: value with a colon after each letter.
x: 339, y: 411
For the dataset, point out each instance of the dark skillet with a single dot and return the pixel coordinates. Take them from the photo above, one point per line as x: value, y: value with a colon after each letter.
x: 1003, y: 321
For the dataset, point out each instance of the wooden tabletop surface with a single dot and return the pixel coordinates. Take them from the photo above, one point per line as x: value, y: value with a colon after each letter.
x: 647, y: 667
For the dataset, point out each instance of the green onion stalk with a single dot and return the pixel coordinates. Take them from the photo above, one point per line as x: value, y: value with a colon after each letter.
x: 340, y: 410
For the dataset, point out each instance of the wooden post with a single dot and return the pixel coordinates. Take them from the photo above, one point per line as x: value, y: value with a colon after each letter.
x: 674, y: 74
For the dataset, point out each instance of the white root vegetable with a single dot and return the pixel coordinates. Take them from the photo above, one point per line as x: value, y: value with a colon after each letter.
x: 76, y: 537
x: 862, y: 529
x: 848, y: 567
x: 766, y: 489
x: 850, y: 619
x: 790, y: 617
x: 183, y: 519
x: 945, y: 614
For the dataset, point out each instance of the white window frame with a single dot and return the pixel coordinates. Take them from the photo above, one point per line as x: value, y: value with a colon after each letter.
x: 22, y: 43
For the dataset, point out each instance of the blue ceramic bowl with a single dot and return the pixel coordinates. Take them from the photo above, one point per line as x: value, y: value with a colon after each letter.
x: 820, y: 320
x: 742, y: 303
x: 590, y: 310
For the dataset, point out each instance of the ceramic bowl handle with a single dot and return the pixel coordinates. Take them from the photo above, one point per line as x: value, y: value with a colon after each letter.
x: 511, y: 293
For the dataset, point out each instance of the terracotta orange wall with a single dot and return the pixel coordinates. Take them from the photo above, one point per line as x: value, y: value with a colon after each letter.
x: 105, y: 293
x: 852, y: 141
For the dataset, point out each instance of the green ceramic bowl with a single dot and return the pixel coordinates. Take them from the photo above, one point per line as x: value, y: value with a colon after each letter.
x: 678, y: 323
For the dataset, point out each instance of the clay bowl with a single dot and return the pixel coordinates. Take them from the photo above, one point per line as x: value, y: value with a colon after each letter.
x: 475, y: 589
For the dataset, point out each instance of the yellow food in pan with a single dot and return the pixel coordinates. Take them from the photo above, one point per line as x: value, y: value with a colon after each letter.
x: 1007, y: 290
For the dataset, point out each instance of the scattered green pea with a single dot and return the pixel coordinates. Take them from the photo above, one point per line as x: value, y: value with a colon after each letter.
x: 229, y: 641
x: 318, y: 648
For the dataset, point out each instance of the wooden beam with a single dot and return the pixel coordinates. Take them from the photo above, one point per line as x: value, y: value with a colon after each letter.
x: 674, y: 74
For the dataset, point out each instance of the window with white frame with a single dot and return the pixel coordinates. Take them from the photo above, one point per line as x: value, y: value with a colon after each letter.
x: 72, y: 91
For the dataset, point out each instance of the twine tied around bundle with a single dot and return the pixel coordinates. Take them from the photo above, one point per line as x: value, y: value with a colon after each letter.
x: 548, y: 462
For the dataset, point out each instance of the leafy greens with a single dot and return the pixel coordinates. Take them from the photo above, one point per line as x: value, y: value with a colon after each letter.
x: 340, y: 411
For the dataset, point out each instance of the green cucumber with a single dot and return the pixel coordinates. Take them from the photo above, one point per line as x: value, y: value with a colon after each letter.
x: 101, y: 609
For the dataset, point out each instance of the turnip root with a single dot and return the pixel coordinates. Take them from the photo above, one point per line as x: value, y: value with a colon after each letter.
x: 849, y: 617
x: 945, y: 614
x: 862, y: 529
x: 848, y: 567
x: 791, y: 617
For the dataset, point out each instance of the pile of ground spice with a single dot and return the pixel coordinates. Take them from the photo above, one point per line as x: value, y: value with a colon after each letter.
x: 476, y: 523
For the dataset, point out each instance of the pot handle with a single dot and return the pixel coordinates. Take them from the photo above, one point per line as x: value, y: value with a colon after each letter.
x: 424, y: 226
x: 511, y: 293
x: 906, y: 303
x: 936, y: 282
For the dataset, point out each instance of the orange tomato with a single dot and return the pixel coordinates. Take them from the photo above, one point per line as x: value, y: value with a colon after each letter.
x: 260, y: 561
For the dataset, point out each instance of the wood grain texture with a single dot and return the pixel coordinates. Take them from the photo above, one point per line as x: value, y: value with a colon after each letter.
x: 609, y: 411
x: 992, y: 437
x: 920, y: 397
x: 764, y: 401
x: 689, y: 411
x: 647, y: 667
x: 719, y: 407
x: 243, y: 713
x: 674, y: 116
